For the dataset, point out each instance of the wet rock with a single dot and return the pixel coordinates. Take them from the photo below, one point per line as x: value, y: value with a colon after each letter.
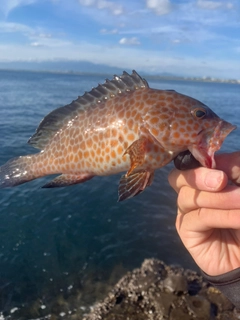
x: 198, y: 306
x: 175, y: 283
x: 157, y: 291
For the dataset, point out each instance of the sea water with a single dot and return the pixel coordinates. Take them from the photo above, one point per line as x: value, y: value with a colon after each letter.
x: 57, y: 240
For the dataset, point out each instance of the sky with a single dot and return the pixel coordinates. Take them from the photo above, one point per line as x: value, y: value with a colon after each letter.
x: 181, y: 37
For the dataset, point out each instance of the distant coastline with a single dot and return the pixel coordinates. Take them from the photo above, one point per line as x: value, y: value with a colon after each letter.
x: 197, y: 79
x: 145, y: 75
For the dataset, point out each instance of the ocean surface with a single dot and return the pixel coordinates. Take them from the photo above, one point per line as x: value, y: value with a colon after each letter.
x: 76, y: 239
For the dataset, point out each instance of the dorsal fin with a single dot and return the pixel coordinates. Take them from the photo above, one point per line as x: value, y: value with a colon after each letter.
x: 56, y: 119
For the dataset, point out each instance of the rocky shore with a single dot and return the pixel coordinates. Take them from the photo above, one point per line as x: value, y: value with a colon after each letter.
x: 155, y: 291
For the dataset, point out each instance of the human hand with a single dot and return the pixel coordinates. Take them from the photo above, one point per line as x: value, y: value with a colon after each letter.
x: 208, y: 219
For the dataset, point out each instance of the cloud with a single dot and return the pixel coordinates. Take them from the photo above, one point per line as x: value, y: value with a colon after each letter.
x: 130, y: 41
x: 11, y: 27
x: 106, y: 31
x: 45, y: 35
x: 35, y: 44
x: 160, y: 7
x: 209, y: 5
x: 35, y: 37
x: 229, y: 5
x: 87, y: 2
x: 52, y: 43
x: 213, y: 5
x: 176, y: 41
x: 113, y: 7
x: 32, y: 34
x: 8, y: 5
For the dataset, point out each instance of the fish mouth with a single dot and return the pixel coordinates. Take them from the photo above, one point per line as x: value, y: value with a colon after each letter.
x: 209, y: 141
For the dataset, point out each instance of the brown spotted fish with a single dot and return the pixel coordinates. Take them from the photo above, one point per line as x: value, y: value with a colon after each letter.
x: 121, y: 125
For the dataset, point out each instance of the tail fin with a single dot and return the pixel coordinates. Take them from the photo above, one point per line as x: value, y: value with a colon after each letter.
x: 16, y: 171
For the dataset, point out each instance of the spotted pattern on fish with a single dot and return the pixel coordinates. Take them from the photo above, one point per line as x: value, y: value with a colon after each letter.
x: 122, y: 125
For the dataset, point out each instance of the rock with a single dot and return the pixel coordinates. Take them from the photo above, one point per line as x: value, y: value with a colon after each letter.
x: 157, y: 291
x: 176, y: 283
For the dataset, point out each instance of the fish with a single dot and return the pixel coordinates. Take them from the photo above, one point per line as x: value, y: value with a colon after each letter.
x: 122, y: 125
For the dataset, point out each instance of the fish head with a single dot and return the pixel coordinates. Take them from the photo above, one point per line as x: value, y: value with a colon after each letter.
x: 207, y: 133
x: 210, y: 137
x: 187, y: 124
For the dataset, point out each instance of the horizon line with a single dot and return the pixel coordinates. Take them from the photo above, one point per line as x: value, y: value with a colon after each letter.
x: 208, y: 79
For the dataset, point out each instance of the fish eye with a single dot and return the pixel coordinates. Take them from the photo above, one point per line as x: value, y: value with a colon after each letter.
x: 199, y: 113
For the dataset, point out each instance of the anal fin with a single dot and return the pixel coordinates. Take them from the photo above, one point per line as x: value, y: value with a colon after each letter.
x: 65, y: 180
x: 133, y: 184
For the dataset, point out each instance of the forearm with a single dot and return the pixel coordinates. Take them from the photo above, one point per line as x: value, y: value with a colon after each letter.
x: 229, y: 284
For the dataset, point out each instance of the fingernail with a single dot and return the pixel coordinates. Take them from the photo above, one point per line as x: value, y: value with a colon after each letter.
x: 213, y: 179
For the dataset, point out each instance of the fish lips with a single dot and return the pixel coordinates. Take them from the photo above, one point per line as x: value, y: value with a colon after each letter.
x: 209, y: 141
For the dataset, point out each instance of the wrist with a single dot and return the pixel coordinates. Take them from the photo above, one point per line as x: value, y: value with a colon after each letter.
x: 228, y: 283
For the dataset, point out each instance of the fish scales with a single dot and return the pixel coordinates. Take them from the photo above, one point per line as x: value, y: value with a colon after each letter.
x: 122, y: 125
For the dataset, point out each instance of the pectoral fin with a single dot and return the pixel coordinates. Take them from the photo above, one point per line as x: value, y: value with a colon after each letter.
x: 137, y: 151
x: 65, y: 180
x: 133, y: 184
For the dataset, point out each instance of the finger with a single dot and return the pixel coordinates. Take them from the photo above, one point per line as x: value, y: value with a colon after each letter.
x: 230, y: 164
x: 205, y: 219
x: 190, y: 199
x: 200, y: 178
